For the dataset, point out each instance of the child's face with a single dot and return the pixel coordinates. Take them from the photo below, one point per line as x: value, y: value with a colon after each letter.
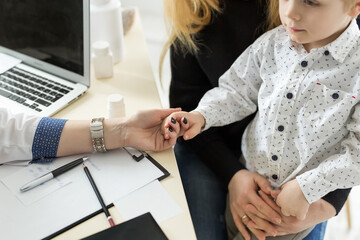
x: 314, y: 23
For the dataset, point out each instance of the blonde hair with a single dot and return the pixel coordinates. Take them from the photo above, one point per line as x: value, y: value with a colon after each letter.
x: 185, y: 18
x: 188, y: 17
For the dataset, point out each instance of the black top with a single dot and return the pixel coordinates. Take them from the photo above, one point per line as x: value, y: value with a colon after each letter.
x: 220, y: 43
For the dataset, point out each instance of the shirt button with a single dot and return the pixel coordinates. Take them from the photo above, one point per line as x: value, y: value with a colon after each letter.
x: 274, y: 157
x: 326, y: 52
x: 304, y: 63
x: 289, y: 95
x: 335, y: 96
x: 281, y: 128
x: 274, y: 176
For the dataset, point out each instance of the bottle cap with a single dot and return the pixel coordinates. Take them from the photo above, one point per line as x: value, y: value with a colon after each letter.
x: 101, y: 48
x: 116, y: 106
x: 116, y: 101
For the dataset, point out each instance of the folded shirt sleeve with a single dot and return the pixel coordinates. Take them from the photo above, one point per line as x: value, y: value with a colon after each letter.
x: 46, y: 139
x: 27, y: 137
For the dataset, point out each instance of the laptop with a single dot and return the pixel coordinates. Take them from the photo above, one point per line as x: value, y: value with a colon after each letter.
x: 44, y: 54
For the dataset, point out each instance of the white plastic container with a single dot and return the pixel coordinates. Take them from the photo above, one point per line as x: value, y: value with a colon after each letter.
x: 115, y: 106
x: 106, y: 25
x: 102, y: 59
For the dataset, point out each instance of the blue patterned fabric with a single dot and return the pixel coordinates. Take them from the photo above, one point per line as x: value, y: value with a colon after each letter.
x: 46, y: 139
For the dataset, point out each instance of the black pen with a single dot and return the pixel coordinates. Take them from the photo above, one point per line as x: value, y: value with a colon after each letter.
x: 54, y: 173
x: 96, y: 190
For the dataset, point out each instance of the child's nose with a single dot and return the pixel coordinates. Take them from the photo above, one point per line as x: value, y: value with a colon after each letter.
x: 292, y: 10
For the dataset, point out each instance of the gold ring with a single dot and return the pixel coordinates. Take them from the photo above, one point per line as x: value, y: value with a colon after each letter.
x: 243, y: 217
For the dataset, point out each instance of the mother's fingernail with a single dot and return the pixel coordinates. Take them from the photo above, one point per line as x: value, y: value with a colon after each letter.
x: 185, y: 121
x: 170, y: 129
x: 173, y: 120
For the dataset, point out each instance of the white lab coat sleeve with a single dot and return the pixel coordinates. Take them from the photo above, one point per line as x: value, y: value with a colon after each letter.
x: 16, y: 135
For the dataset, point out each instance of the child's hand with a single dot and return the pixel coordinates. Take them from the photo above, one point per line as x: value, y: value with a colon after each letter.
x: 291, y: 200
x: 183, y: 124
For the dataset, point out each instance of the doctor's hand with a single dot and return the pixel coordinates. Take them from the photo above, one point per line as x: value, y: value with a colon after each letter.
x: 144, y: 130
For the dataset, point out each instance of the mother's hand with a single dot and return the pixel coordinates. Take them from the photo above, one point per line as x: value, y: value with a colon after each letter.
x: 245, y: 200
x: 319, y: 211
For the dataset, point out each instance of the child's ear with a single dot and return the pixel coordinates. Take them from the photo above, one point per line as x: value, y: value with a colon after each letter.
x: 355, y: 10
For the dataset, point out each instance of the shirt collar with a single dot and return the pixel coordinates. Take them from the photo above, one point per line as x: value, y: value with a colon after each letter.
x: 342, y: 46
x: 283, y: 38
x: 339, y: 48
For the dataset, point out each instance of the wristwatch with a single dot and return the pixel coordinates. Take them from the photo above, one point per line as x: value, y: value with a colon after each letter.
x: 97, y: 134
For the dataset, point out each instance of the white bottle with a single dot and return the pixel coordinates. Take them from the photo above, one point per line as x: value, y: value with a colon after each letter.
x: 115, y: 106
x: 106, y: 25
x: 102, y: 59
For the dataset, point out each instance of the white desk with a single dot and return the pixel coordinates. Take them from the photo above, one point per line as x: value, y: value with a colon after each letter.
x: 133, y: 78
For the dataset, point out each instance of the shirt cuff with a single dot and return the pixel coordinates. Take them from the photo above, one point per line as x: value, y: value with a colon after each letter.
x: 313, y: 185
x: 205, y: 114
x: 46, y: 139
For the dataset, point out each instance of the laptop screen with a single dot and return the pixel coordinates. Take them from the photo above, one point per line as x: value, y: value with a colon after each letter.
x: 48, y: 30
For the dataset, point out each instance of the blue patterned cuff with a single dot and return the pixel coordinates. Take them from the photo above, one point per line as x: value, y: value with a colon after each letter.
x: 46, y: 139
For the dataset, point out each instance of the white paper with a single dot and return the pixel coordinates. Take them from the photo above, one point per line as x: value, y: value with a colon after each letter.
x: 15, y: 181
x: 151, y: 198
x: 7, y: 62
x: 115, y: 173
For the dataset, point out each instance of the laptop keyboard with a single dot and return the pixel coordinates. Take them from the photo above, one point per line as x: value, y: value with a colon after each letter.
x: 31, y: 90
